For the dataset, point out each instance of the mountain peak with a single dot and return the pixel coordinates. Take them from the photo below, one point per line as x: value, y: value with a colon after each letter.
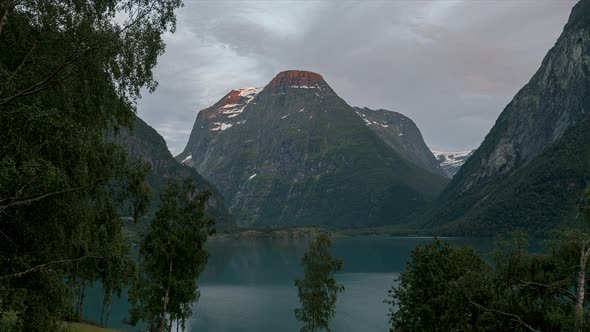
x: 299, y: 78
x: 229, y: 107
x: 235, y: 95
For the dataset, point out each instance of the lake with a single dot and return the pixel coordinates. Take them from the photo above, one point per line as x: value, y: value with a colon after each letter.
x: 248, y: 284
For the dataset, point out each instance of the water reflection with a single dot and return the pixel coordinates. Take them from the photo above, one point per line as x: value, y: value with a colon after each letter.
x: 248, y: 284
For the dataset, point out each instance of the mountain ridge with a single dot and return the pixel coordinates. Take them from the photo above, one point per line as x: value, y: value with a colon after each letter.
x: 143, y: 142
x: 555, y: 100
x: 402, y: 134
x: 297, y: 153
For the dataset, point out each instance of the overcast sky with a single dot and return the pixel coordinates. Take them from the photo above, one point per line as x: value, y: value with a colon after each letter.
x: 451, y: 66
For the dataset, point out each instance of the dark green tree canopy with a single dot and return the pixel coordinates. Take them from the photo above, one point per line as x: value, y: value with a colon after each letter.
x: 452, y: 289
x: 71, y: 72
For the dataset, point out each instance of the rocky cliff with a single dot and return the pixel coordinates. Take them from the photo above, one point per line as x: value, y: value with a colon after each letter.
x: 555, y: 101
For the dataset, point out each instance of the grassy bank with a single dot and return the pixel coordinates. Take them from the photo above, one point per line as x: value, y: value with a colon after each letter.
x: 84, y: 327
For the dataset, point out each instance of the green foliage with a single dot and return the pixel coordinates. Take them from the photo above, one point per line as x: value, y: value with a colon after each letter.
x: 8, y: 321
x: 172, y: 255
x: 318, y: 290
x: 446, y: 288
x: 70, y: 74
x: 436, y: 290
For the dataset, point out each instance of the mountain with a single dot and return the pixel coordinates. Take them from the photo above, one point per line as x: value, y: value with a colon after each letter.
x: 524, y: 174
x: 451, y: 162
x: 294, y: 152
x: 144, y: 143
x: 402, y: 134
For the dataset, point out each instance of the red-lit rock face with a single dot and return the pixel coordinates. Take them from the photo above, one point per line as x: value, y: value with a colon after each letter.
x: 232, y: 97
x: 230, y: 106
x: 296, y: 77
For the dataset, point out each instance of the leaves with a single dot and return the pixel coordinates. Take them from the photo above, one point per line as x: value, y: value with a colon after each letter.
x: 318, y: 290
x: 70, y: 74
x: 453, y: 289
x: 172, y: 256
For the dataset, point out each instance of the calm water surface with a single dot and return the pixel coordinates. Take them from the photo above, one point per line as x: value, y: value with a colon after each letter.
x: 248, y: 284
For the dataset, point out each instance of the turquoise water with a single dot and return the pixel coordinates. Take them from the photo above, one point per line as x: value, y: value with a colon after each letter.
x: 248, y: 284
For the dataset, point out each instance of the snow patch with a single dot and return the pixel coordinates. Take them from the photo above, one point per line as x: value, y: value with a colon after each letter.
x: 369, y: 122
x: 250, y: 91
x: 301, y: 110
x: 229, y: 106
x: 284, y: 116
x: 221, y: 126
x: 305, y: 86
x: 187, y: 158
x: 452, y: 158
x: 252, y: 176
x: 233, y: 110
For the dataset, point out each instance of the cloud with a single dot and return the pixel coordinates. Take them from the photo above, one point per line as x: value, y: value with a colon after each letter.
x: 449, y: 65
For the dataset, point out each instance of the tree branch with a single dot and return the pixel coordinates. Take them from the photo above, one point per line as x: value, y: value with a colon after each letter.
x: 514, y: 317
x: 566, y: 292
x: 20, y: 274
x: 138, y: 18
x: 42, y: 85
x: 37, y: 197
x: 9, y: 80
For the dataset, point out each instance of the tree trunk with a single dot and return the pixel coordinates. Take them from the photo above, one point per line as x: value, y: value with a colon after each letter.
x: 585, y: 252
x: 150, y: 321
x: 4, y: 18
x: 81, y: 298
x: 166, y: 299
x: 106, y: 321
x: 105, y: 301
x: 102, y: 310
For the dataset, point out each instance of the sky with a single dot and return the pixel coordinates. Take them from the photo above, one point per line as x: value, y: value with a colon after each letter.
x: 451, y: 66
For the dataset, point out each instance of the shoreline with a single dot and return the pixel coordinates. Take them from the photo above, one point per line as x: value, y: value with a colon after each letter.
x: 304, y: 232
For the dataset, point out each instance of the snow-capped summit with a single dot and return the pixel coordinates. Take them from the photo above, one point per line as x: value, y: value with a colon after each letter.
x: 297, y: 154
x: 451, y: 162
